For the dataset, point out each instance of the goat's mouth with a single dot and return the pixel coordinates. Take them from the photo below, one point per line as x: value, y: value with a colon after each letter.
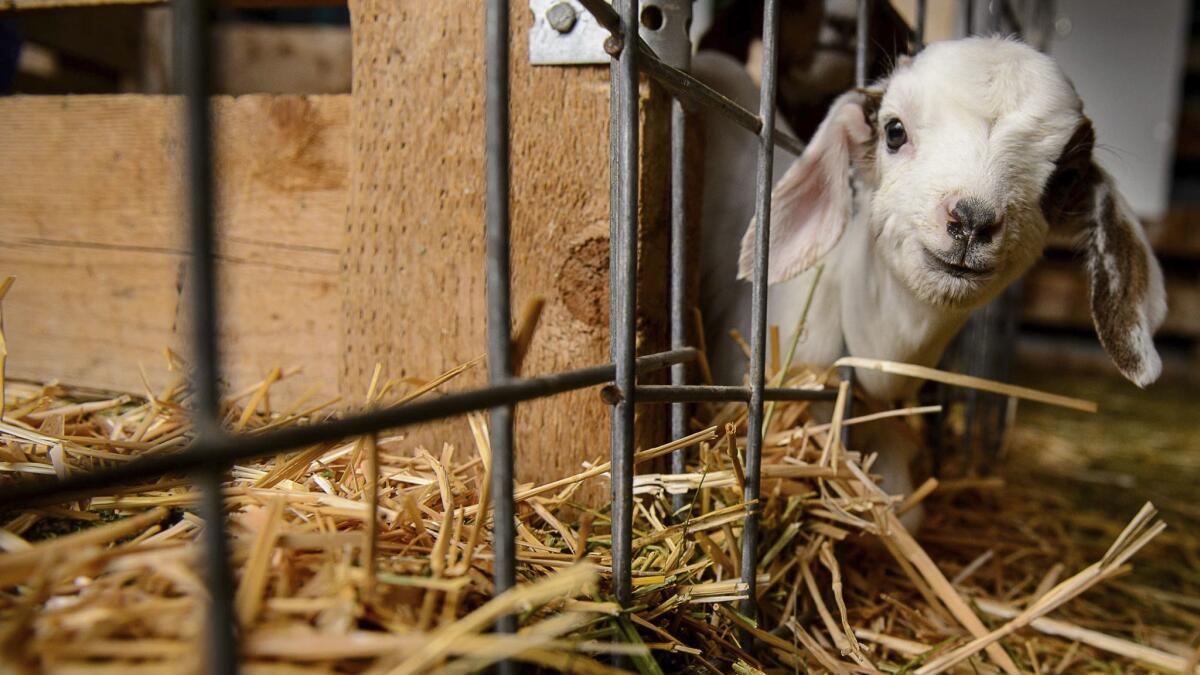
x: 958, y: 270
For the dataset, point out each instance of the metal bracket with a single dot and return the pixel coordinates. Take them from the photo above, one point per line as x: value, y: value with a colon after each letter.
x: 564, y: 33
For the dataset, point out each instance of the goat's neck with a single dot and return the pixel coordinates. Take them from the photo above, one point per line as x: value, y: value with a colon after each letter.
x: 881, y: 318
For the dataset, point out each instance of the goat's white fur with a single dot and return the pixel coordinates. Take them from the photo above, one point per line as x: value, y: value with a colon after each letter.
x: 986, y: 118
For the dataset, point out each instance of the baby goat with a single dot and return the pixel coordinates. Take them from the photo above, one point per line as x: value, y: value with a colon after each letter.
x: 924, y: 195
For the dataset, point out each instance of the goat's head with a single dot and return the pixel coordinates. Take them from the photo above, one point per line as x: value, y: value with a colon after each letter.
x: 967, y: 156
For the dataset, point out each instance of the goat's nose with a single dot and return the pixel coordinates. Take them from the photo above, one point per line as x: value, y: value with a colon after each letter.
x: 972, y: 218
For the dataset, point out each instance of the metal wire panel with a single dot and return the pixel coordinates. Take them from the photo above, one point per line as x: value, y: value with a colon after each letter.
x: 682, y: 85
x: 213, y: 451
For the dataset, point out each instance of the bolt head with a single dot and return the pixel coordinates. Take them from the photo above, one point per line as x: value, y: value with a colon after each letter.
x: 611, y: 394
x: 613, y: 45
x: 561, y: 17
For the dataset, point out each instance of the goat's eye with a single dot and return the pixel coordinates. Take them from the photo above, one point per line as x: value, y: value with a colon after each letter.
x: 895, y: 135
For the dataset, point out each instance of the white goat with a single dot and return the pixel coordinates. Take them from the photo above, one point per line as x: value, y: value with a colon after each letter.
x: 924, y: 195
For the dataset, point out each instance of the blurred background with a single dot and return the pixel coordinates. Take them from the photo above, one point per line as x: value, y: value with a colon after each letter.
x: 1136, y: 65
x: 127, y: 49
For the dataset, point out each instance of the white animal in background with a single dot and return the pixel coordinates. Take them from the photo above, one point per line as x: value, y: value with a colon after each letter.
x: 924, y: 195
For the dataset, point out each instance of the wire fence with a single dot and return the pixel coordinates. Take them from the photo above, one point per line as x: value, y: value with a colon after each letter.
x: 214, y: 450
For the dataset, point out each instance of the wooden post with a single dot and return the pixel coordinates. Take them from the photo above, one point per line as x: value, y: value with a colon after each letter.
x: 413, y: 283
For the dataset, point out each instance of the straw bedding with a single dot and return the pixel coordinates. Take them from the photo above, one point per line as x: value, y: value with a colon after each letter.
x: 999, y: 579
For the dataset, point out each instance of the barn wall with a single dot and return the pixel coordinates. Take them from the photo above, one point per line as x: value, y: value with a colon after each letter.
x: 413, y: 256
x: 91, y: 225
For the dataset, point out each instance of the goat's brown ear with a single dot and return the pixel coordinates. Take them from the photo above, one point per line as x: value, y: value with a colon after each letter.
x: 1126, y: 286
x: 810, y: 205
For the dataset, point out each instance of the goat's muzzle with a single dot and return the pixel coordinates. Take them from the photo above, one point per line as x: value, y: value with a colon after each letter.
x: 971, y: 220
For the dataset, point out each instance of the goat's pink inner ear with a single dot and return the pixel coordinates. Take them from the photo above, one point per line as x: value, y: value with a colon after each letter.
x: 810, y: 205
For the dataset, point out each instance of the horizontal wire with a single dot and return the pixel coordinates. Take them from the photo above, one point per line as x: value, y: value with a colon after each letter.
x: 225, y: 449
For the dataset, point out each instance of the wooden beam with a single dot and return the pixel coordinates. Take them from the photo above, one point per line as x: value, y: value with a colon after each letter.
x: 251, y: 57
x: 414, y: 294
x: 281, y: 59
x: 91, y: 226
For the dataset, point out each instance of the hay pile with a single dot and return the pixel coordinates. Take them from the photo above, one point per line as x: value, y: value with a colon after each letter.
x: 111, y: 584
x: 368, y: 555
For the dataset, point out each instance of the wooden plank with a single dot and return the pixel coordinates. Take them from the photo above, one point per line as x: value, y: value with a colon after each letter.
x: 1178, y: 234
x: 1055, y: 294
x: 90, y: 224
x: 257, y: 58
x: 414, y: 295
x: 940, y: 20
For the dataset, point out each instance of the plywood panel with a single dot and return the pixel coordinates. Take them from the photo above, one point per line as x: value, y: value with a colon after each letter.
x: 91, y: 226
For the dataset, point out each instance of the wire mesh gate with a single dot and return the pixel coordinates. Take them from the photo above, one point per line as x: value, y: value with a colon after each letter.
x: 214, y: 450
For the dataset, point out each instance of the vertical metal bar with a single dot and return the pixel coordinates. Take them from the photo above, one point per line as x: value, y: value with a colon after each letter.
x: 848, y: 374
x: 1005, y: 352
x: 193, y: 70
x: 623, y: 281
x: 860, y: 80
x: 499, y: 310
x: 860, y: 43
x: 919, y: 29
x: 966, y: 17
x: 192, y: 26
x: 995, y: 15
x: 222, y: 621
x: 860, y: 60
x: 979, y: 343
x: 678, y: 411
x: 758, y: 307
